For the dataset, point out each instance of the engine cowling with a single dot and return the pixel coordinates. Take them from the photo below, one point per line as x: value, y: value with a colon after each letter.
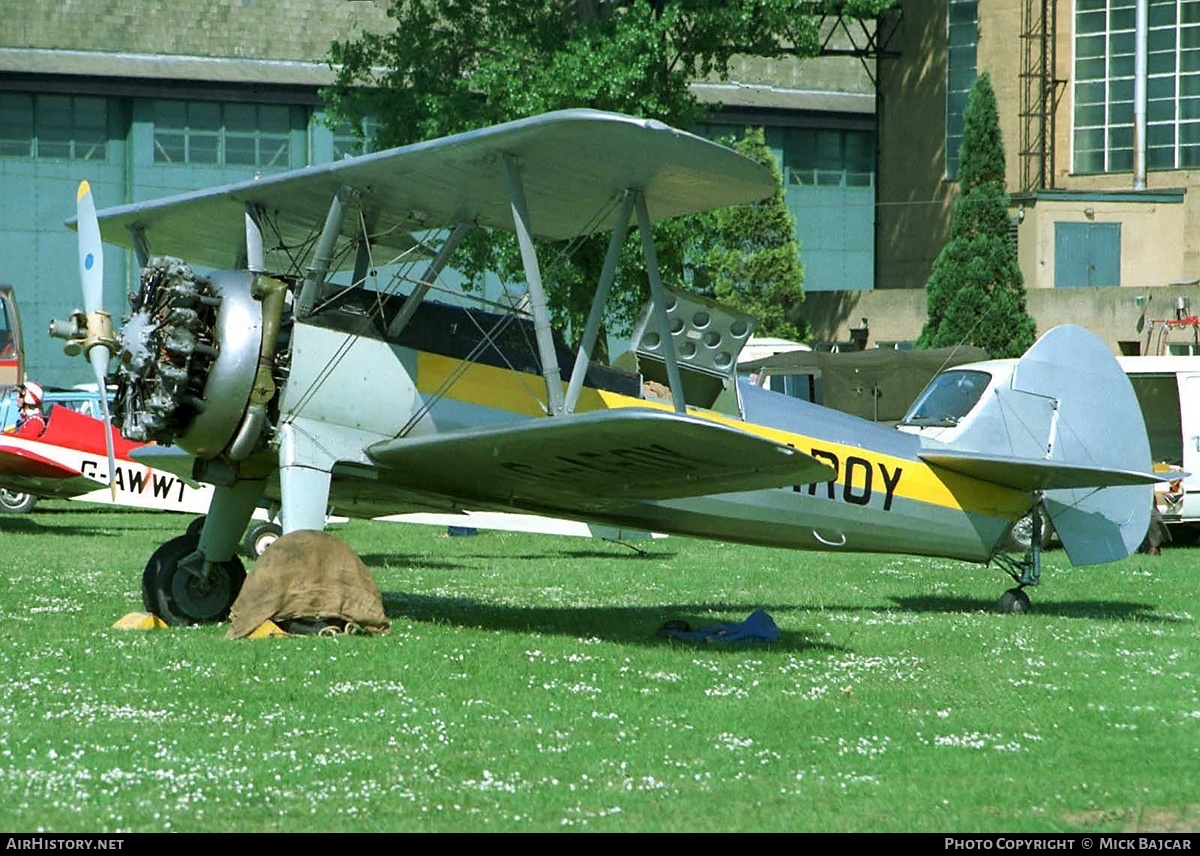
x: 189, y: 354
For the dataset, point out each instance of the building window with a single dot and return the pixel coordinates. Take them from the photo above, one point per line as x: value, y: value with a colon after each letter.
x: 829, y: 157
x: 349, y: 143
x: 53, y: 126
x: 961, y: 71
x: 1104, y: 85
x: 219, y: 134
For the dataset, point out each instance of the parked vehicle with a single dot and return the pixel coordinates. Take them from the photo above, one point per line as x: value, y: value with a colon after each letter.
x: 1168, y: 391
x: 12, y: 354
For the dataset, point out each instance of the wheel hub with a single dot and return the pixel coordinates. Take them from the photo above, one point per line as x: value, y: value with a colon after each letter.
x: 202, y: 597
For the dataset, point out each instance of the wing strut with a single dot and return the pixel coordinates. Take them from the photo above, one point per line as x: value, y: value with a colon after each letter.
x: 323, y: 254
x: 141, y: 248
x: 362, y: 254
x: 607, y: 274
x: 537, y: 296
x: 658, y: 297
x: 426, y: 281
x: 255, y: 260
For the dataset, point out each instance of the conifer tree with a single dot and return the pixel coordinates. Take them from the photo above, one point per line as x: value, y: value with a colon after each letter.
x: 976, y: 294
x: 751, y: 259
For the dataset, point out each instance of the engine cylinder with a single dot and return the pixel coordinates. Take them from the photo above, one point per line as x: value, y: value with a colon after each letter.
x: 189, y: 352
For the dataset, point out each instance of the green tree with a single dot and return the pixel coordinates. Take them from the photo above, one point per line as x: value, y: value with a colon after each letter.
x: 751, y: 257
x: 975, y: 293
x: 455, y: 65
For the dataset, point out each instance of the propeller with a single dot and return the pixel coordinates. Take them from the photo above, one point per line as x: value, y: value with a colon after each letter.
x: 99, y: 342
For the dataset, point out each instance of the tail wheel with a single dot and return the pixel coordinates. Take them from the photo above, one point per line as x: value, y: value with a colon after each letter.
x: 1013, y: 602
x: 12, y: 502
x: 181, y: 598
x: 1020, y: 536
x: 260, y: 537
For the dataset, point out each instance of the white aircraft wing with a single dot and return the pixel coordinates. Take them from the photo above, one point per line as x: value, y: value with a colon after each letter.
x: 595, y: 458
x: 573, y: 166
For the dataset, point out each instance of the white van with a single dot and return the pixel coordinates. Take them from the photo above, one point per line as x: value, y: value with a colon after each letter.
x: 1168, y: 391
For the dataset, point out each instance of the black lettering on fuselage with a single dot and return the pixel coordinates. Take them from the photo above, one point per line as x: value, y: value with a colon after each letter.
x: 859, y: 496
x: 889, y: 485
x: 858, y: 480
x: 162, y: 486
x: 137, y: 481
x: 129, y: 480
x: 831, y: 459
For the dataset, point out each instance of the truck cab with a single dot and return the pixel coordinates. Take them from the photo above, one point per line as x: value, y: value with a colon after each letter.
x: 12, y: 355
x: 1168, y: 392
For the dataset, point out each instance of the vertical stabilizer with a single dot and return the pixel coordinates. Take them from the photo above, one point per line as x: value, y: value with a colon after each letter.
x: 1063, y: 423
x: 1097, y: 422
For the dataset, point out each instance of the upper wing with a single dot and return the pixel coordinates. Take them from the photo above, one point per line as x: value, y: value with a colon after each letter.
x: 573, y: 164
x: 595, y: 459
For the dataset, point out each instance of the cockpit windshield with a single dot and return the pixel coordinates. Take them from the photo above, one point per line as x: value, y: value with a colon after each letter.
x: 948, y: 398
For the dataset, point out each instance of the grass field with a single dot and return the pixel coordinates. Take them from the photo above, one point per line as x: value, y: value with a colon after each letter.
x: 523, y: 688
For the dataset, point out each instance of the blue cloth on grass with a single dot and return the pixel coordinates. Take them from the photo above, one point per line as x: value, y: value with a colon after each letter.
x: 758, y: 627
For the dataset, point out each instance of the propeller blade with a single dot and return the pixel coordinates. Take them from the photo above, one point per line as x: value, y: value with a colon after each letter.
x: 91, y: 256
x: 91, y: 274
x: 99, y: 357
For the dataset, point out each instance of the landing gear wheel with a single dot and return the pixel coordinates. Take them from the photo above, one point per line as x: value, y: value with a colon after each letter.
x: 12, y: 502
x: 259, y: 537
x: 1013, y: 602
x: 196, y: 526
x: 178, y: 597
x: 1020, y: 536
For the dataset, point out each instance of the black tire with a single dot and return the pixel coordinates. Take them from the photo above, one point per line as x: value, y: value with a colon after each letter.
x: 170, y: 552
x: 177, y: 597
x: 1184, y: 534
x: 12, y: 502
x: 196, y: 526
x: 1020, y: 536
x: 1014, y: 602
x: 259, y: 537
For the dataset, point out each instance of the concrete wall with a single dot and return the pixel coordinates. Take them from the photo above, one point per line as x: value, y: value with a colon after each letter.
x: 1111, y: 313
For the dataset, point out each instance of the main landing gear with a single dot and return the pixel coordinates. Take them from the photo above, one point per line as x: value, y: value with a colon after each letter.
x: 1026, y: 571
x: 181, y: 588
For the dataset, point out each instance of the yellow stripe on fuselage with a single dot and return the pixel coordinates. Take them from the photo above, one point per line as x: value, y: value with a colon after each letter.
x: 524, y: 394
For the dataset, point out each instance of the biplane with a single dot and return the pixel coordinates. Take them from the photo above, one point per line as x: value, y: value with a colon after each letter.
x: 287, y: 385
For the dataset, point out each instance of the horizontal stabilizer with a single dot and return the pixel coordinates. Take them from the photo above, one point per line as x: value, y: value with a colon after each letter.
x: 591, y: 459
x: 1034, y: 474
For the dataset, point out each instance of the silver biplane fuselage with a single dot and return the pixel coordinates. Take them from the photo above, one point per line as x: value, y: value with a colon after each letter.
x: 316, y: 396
